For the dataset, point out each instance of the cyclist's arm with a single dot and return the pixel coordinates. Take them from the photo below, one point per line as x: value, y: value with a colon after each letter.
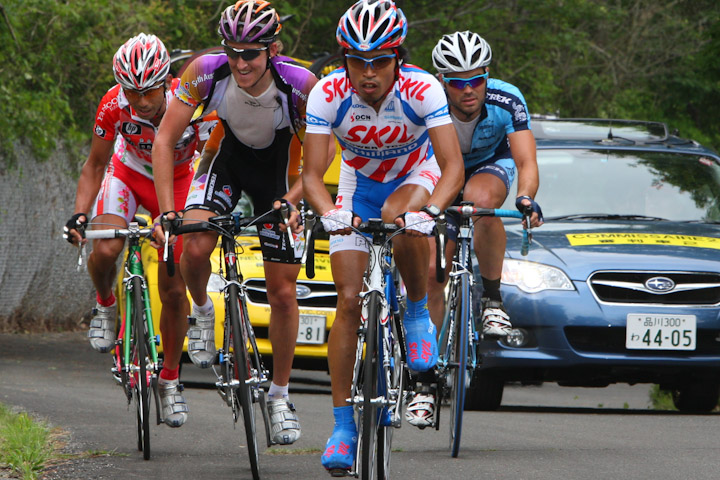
x: 524, y: 153
x: 315, y: 162
x: 447, y: 153
x: 92, y: 173
x: 174, y: 122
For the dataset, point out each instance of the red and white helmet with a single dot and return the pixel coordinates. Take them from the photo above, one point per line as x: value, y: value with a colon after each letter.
x: 250, y: 21
x: 141, y: 62
x: 372, y: 25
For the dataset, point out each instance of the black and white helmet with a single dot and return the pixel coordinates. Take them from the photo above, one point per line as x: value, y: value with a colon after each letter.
x: 461, y: 52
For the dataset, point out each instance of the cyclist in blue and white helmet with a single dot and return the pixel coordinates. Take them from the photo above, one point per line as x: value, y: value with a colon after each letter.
x: 401, y: 163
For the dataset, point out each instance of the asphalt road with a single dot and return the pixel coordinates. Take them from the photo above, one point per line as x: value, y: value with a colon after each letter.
x: 546, y: 432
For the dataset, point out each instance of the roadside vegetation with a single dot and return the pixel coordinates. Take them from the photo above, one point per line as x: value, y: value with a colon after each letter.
x: 26, y: 446
x: 638, y: 59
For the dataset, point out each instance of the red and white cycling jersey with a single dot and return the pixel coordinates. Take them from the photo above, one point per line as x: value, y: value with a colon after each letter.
x: 134, y: 150
x: 386, y: 145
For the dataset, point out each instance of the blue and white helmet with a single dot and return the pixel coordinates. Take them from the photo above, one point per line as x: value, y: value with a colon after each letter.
x: 372, y: 25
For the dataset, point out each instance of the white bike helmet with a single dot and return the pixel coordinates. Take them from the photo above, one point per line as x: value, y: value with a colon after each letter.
x: 141, y: 62
x: 461, y: 52
x: 372, y: 25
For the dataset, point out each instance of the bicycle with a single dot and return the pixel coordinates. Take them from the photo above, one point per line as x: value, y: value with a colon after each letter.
x: 458, y: 352
x: 378, y: 387
x: 136, y: 365
x: 241, y: 371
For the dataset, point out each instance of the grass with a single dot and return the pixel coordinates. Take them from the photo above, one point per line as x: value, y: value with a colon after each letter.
x: 661, y: 399
x: 26, y: 446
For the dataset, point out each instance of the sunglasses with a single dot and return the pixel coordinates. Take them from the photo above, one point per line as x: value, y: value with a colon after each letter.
x: 246, y: 54
x: 376, y: 63
x: 461, y: 83
x: 135, y: 95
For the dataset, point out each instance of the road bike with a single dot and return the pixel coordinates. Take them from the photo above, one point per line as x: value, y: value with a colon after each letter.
x: 459, y: 338
x: 241, y: 371
x: 380, y: 375
x: 135, y: 358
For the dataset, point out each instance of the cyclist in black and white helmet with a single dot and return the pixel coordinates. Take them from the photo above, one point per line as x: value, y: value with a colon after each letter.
x: 493, y: 125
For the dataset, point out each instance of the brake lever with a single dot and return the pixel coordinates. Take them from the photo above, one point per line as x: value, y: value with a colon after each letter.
x: 310, y: 221
x: 285, y: 214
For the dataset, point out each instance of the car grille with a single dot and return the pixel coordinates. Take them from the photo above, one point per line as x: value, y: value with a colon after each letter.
x: 630, y: 287
x: 612, y: 340
x: 317, y: 294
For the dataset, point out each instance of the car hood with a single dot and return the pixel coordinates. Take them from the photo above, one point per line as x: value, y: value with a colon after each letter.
x: 581, y: 247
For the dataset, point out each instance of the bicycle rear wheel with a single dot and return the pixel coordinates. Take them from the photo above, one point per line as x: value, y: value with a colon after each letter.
x: 242, y: 368
x: 458, y: 362
x: 369, y: 410
x: 140, y: 352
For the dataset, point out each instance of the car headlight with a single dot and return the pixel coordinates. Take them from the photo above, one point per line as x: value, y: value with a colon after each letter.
x: 531, y: 277
x: 216, y: 283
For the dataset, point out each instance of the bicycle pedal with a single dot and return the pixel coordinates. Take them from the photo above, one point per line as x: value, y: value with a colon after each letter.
x: 339, y: 472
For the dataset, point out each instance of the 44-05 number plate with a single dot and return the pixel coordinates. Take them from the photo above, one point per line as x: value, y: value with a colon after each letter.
x: 649, y: 331
x: 311, y: 329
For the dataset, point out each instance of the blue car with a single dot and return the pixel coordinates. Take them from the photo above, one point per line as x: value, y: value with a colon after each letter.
x: 622, y: 282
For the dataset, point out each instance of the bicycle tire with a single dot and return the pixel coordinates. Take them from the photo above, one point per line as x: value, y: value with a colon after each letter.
x: 370, y: 412
x: 459, y: 370
x: 140, y: 361
x: 241, y: 361
x: 397, y: 380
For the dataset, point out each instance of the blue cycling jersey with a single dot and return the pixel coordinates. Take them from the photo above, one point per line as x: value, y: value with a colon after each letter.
x: 504, y: 112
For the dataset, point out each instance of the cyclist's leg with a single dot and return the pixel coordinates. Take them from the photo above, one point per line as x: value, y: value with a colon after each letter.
x: 487, y: 188
x: 347, y: 268
x: 114, y: 207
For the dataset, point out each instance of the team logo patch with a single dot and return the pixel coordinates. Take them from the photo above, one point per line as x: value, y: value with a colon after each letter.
x: 129, y: 128
x: 227, y: 190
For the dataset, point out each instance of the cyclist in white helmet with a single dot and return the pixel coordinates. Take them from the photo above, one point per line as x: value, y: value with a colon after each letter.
x: 493, y: 126
x: 385, y: 114
x: 125, y: 126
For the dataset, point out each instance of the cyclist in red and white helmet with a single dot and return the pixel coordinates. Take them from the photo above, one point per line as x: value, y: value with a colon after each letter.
x: 401, y: 163
x: 260, y: 98
x: 125, y: 126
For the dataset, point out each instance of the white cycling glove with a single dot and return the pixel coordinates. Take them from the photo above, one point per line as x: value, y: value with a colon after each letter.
x: 335, y: 219
x: 420, y: 222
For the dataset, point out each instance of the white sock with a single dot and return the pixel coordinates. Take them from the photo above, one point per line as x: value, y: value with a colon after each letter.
x: 206, y: 309
x: 276, y: 392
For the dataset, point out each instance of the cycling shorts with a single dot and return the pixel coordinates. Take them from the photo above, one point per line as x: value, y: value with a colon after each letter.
x: 366, y: 197
x: 124, y: 190
x: 228, y: 168
x: 502, y: 166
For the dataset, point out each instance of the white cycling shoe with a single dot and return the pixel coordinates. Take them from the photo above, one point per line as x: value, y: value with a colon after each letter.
x: 495, y: 320
x: 201, y: 339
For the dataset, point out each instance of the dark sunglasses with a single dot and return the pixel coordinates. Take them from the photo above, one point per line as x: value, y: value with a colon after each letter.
x: 376, y: 63
x: 461, y: 83
x: 135, y: 95
x: 246, y: 54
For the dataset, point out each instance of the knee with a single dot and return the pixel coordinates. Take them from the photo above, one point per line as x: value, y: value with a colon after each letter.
x: 173, y: 295
x: 197, y: 247
x: 107, y: 249
x: 283, y: 298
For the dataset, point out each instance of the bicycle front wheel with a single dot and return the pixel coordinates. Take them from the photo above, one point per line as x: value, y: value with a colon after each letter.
x: 237, y: 313
x: 140, y: 380
x: 369, y: 408
x: 458, y: 362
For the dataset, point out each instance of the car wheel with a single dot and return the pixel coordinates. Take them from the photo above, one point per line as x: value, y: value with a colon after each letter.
x: 700, y: 397
x: 485, y: 392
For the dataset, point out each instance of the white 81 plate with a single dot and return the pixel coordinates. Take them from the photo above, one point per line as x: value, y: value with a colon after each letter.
x: 649, y: 331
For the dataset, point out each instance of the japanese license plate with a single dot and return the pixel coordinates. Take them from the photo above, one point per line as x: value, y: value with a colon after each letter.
x: 649, y: 331
x: 311, y: 329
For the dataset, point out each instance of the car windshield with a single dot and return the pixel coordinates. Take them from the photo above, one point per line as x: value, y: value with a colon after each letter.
x: 672, y: 186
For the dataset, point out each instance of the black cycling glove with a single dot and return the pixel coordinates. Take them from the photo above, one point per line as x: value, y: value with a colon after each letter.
x: 533, y: 205
x: 73, y: 224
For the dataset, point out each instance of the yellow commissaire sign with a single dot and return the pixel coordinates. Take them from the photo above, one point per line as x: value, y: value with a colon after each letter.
x: 620, y: 238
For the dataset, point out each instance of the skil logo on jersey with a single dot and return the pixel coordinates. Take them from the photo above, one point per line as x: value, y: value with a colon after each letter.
x: 338, y: 86
x: 364, y: 135
x: 413, y: 89
x: 129, y: 128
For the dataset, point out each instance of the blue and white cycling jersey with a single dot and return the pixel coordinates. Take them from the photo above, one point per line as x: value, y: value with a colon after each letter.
x: 386, y: 145
x: 504, y: 112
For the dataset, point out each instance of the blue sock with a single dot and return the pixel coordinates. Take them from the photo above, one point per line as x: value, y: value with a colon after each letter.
x: 340, y: 448
x: 417, y: 309
x: 344, y: 416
